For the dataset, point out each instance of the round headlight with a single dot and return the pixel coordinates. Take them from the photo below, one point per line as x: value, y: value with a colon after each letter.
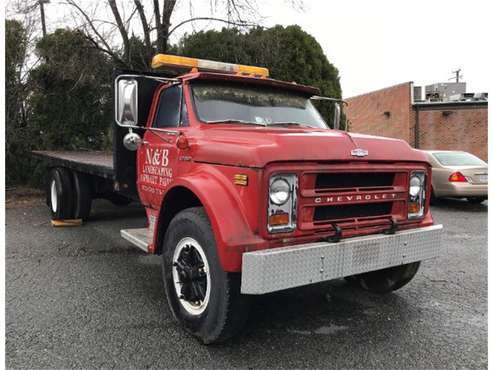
x: 415, y: 186
x: 279, y: 191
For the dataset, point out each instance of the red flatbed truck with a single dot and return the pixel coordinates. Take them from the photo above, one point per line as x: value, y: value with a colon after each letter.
x: 247, y: 191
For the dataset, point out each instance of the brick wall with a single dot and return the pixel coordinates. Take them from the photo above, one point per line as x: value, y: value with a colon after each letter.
x: 386, y: 112
x: 460, y: 127
x: 389, y: 112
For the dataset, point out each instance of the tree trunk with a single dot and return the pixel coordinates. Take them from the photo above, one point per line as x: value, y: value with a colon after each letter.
x: 121, y: 28
x: 145, y: 25
x: 162, y: 37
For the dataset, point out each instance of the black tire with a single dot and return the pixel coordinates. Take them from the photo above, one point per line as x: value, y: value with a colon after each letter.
x: 60, y: 185
x: 226, y: 311
x: 119, y: 200
x: 433, y: 198
x: 386, y: 280
x: 476, y: 200
x: 83, y: 195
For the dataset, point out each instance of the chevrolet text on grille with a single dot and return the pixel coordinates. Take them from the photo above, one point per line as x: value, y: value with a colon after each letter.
x: 349, y: 198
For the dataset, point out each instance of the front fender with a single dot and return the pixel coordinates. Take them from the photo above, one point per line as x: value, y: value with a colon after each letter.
x: 232, y: 209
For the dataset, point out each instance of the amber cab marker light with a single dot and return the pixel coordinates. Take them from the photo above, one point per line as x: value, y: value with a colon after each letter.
x: 240, y: 179
x: 279, y: 219
x: 457, y: 177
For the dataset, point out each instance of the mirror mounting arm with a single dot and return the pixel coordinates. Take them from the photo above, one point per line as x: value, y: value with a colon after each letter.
x: 338, y: 103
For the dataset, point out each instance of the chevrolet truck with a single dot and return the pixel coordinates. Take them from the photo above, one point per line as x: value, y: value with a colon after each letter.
x: 248, y: 191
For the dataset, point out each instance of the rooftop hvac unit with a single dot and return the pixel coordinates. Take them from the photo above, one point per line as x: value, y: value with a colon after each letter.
x: 480, y: 96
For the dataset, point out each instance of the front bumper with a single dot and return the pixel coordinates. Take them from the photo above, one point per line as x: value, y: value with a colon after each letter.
x: 270, y: 270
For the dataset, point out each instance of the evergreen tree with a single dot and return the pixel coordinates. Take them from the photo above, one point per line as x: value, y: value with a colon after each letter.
x: 290, y: 53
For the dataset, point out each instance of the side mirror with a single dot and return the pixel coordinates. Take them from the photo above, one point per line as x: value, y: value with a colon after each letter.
x: 126, y: 102
x: 337, y: 116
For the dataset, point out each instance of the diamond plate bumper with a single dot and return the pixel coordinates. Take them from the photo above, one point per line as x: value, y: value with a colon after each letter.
x: 276, y: 269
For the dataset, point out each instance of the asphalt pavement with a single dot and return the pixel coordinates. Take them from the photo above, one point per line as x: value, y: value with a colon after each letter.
x: 82, y: 297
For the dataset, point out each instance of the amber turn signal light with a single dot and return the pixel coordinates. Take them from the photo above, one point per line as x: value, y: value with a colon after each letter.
x: 279, y: 219
x: 413, y: 207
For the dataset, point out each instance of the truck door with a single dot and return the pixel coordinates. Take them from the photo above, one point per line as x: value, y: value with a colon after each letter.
x: 157, y: 157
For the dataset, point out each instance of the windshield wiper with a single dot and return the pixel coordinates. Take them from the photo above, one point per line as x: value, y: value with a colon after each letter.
x: 236, y: 121
x: 287, y: 124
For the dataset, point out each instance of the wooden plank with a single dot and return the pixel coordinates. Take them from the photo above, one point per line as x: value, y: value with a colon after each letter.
x: 63, y: 223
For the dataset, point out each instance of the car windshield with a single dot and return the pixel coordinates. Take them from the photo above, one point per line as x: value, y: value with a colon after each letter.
x: 458, y: 159
x: 246, y: 104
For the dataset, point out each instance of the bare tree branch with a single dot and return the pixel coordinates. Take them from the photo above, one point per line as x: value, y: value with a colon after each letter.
x: 104, y: 50
x: 107, y: 47
x: 127, y: 22
x: 241, y: 24
x: 105, y: 22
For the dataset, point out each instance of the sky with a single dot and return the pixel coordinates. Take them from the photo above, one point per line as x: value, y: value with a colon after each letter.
x: 375, y: 44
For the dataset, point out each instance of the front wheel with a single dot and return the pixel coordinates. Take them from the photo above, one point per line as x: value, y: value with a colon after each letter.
x: 386, y: 280
x: 476, y: 200
x: 433, y: 198
x: 205, y: 299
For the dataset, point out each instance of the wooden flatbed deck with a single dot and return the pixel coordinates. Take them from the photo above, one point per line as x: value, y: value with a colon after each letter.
x: 92, y: 162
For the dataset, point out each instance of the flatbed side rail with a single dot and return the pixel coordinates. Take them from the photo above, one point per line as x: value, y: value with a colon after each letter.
x: 96, y: 163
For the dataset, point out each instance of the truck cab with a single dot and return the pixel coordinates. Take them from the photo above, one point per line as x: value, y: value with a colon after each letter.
x: 248, y: 191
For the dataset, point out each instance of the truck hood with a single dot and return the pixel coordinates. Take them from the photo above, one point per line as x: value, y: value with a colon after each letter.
x: 257, y: 146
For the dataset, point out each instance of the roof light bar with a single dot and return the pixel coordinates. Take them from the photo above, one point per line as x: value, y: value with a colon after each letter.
x: 174, y: 61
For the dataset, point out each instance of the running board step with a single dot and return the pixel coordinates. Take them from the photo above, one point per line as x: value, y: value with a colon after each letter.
x: 138, y: 237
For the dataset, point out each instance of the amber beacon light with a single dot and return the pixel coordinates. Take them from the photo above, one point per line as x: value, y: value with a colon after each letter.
x: 175, y: 61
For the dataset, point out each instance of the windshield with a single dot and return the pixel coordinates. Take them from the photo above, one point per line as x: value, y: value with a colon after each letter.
x: 458, y: 159
x: 233, y: 103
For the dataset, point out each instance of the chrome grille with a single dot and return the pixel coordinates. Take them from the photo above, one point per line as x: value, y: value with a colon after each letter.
x: 341, y: 212
x: 331, y: 181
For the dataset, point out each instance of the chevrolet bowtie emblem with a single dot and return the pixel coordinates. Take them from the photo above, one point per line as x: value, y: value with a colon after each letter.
x: 358, y: 152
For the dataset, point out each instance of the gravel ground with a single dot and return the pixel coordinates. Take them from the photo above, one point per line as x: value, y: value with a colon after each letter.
x: 82, y: 297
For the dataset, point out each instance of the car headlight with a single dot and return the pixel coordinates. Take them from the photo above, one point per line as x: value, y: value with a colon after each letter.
x: 417, y: 192
x: 281, y: 211
x: 279, y: 191
x: 415, y: 185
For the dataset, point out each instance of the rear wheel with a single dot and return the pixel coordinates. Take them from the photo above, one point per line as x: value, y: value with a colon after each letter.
x: 60, y: 194
x: 205, y: 299
x: 476, y: 200
x: 386, y: 280
x: 433, y: 198
x: 83, y: 195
